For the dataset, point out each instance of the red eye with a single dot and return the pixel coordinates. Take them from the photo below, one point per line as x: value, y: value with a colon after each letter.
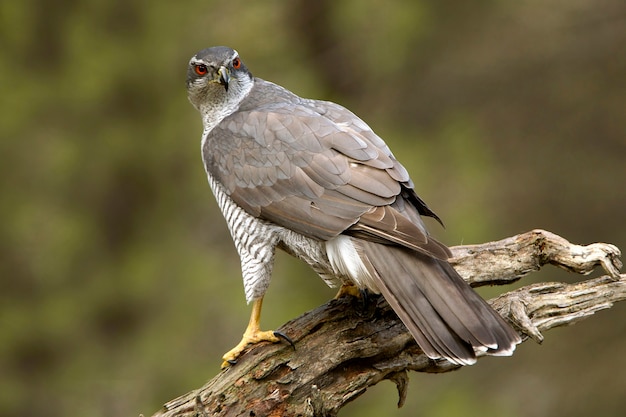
x: 200, y: 69
x: 236, y: 63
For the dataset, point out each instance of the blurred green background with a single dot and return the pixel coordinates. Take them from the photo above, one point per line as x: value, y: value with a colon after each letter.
x: 120, y: 287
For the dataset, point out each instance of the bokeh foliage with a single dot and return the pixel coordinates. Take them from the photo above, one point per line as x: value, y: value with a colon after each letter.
x: 120, y: 288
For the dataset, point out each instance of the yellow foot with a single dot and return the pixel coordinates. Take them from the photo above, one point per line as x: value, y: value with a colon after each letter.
x: 348, y: 289
x: 251, y: 336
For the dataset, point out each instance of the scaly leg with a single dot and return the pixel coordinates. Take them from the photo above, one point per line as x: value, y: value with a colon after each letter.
x: 252, y: 335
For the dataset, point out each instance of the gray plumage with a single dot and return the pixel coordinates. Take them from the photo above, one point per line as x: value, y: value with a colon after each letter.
x: 312, y: 178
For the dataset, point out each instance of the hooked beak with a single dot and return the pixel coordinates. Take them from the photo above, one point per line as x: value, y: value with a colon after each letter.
x: 223, y: 77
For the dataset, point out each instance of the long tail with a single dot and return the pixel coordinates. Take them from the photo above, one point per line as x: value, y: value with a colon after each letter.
x: 442, y: 312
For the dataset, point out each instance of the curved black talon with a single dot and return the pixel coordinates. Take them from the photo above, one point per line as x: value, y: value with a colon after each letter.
x: 285, y: 338
x: 367, y: 303
x: 365, y: 298
x: 232, y: 361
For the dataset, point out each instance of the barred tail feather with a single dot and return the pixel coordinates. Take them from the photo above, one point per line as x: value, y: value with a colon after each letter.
x: 442, y: 312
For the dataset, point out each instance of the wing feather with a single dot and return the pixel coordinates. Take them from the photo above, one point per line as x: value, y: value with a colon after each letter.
x: 316, y: 168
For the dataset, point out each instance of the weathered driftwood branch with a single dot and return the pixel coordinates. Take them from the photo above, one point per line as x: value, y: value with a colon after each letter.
x: 345, y: 346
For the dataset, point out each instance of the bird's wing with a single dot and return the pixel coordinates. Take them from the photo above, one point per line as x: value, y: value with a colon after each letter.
x: 316, y: 168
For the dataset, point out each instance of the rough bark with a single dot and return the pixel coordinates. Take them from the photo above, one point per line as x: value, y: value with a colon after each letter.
x: 345, y: 345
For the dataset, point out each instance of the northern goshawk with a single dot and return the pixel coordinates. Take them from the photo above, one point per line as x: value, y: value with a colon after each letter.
x: 311, y: 178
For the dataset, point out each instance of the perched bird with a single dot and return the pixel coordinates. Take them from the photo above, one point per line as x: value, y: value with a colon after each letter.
x: 311, y: 178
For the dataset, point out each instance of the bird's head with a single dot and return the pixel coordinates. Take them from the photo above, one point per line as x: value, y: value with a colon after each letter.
x: 217, y: 76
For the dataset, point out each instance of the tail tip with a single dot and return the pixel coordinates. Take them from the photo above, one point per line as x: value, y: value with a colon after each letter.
x: 491, y: 350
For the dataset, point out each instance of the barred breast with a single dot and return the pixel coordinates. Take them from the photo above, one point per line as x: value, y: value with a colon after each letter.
x: 256, y: 240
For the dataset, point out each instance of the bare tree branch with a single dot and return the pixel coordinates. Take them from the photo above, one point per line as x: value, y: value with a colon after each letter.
x: 345, y: 346
x: 507, y: 260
